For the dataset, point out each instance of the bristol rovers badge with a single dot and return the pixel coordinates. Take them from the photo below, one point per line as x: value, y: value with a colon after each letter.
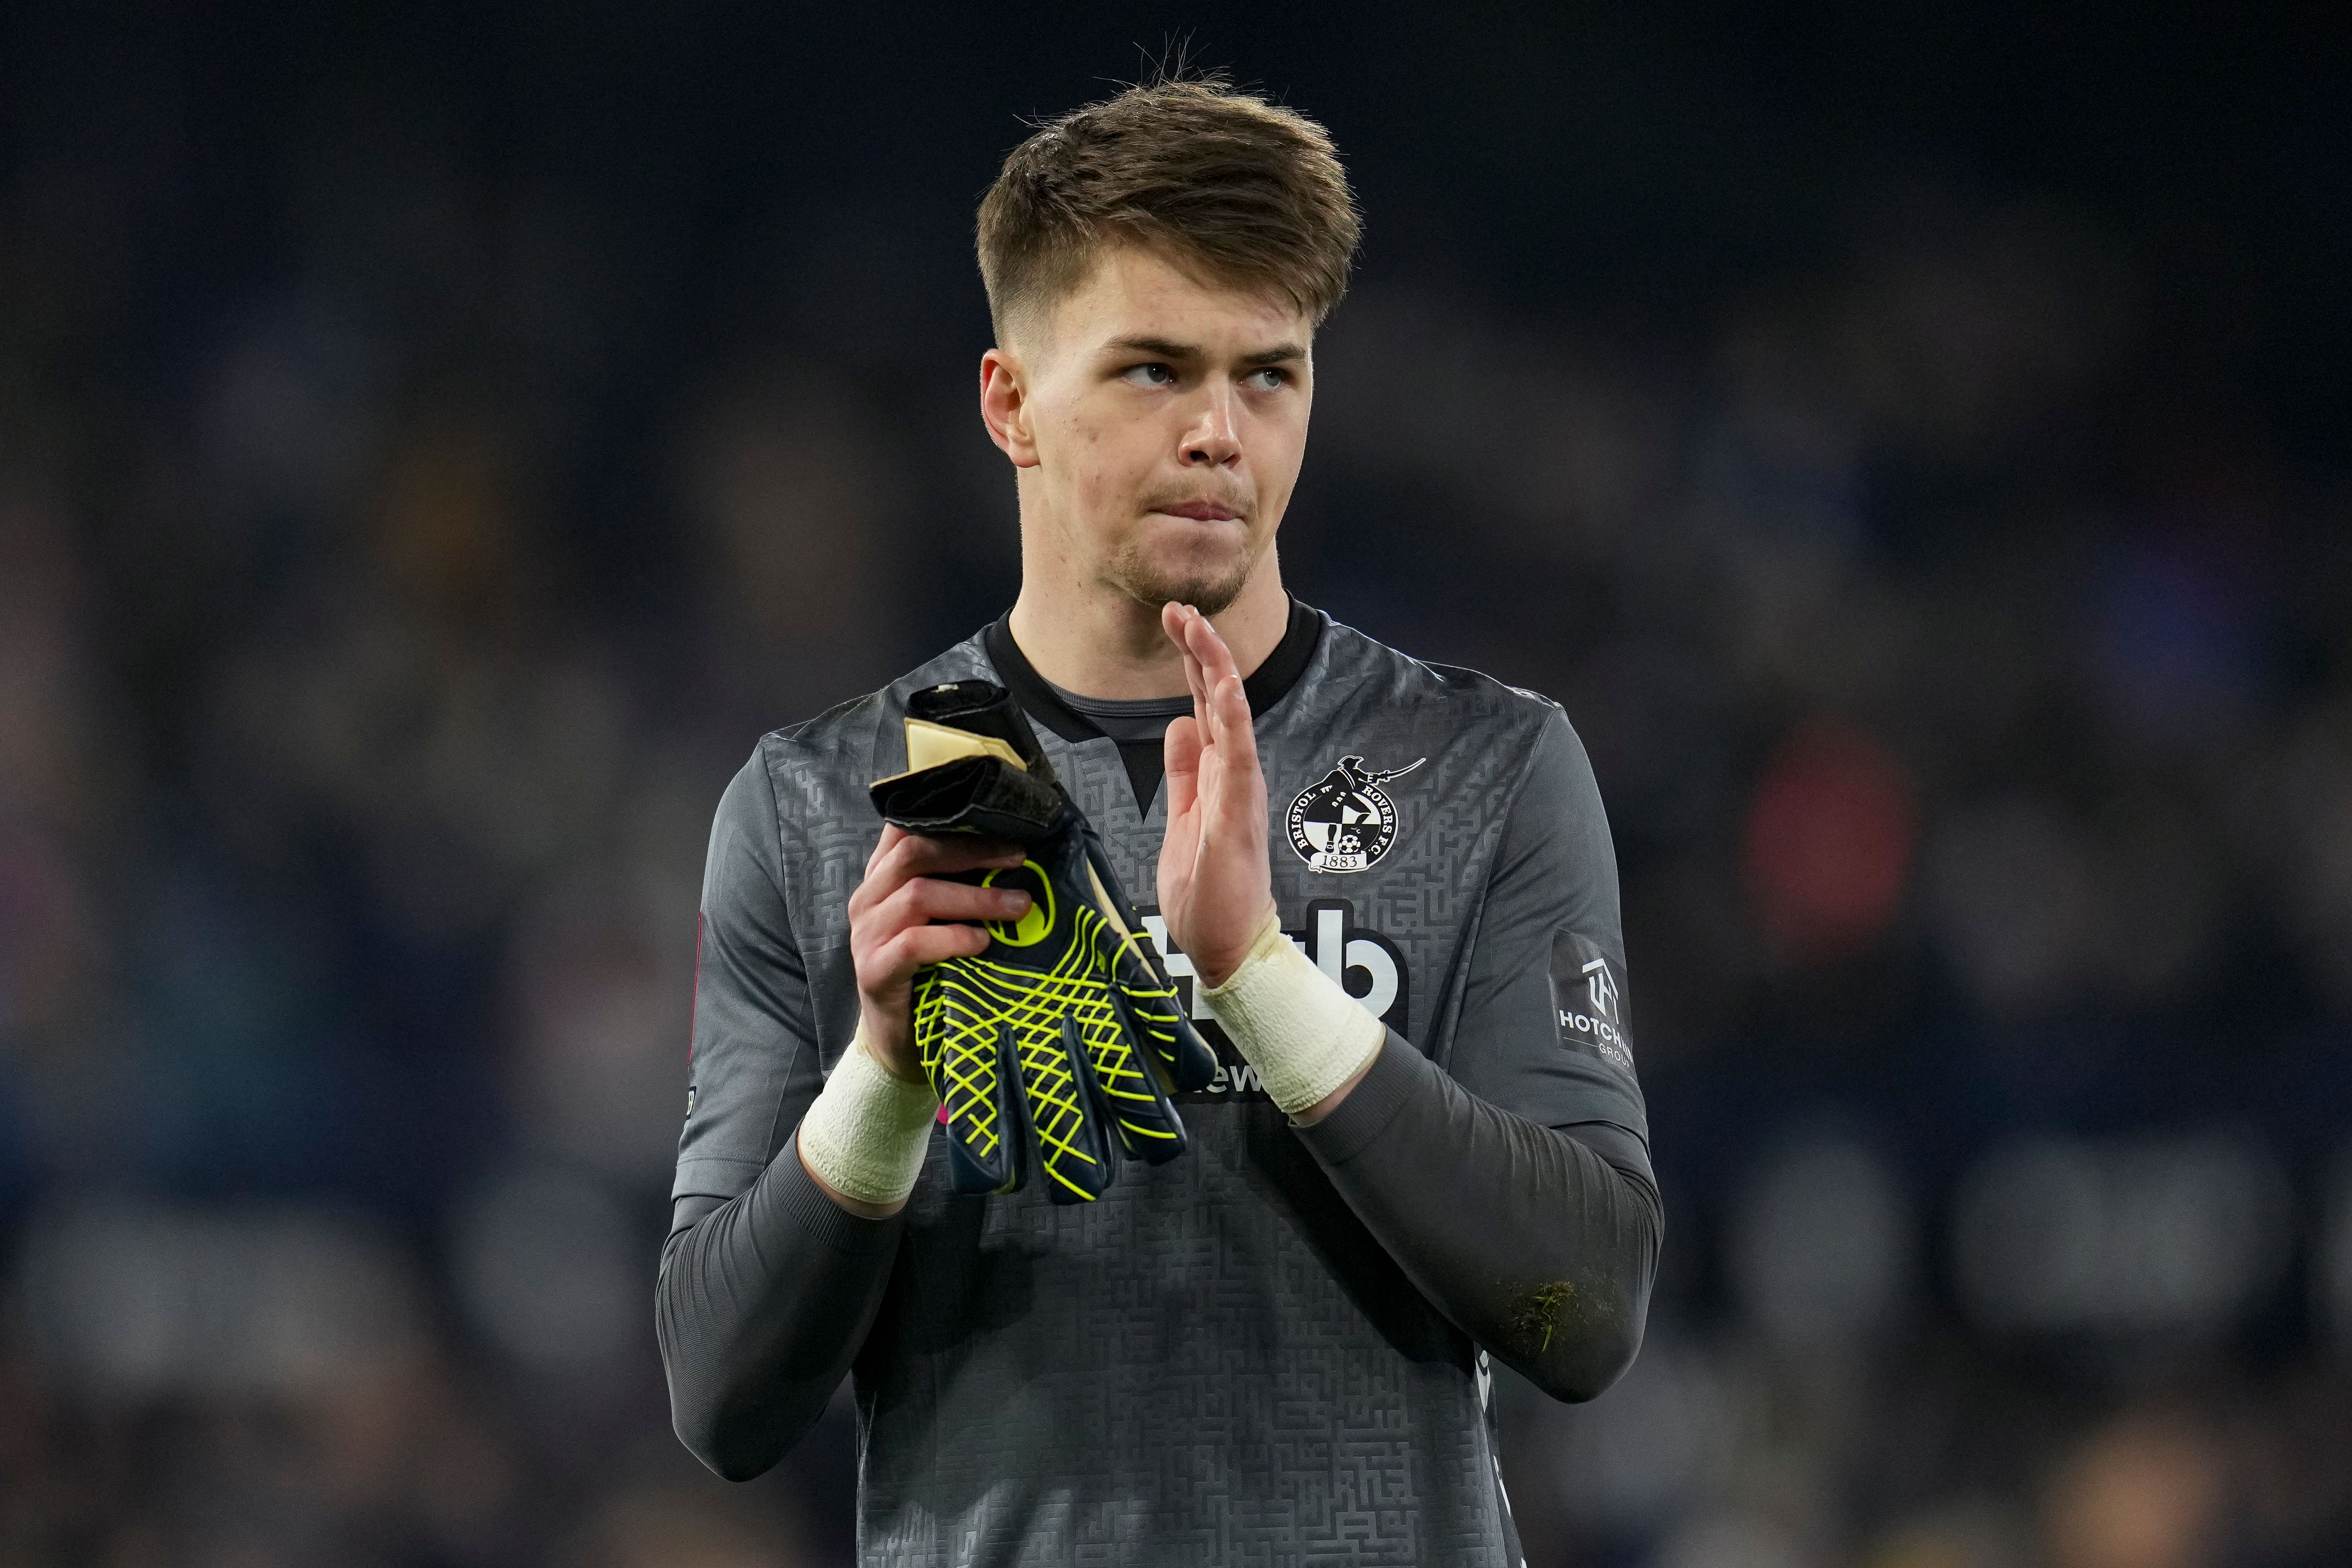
x: 1345, y: 821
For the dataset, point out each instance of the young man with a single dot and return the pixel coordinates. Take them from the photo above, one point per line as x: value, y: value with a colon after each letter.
x: 1386, y: 889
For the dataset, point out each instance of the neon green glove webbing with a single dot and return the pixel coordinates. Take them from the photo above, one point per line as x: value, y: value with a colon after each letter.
x: 1058, y: 1044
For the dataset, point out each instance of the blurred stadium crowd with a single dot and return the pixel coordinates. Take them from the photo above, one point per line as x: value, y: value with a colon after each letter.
x: 384, y: 600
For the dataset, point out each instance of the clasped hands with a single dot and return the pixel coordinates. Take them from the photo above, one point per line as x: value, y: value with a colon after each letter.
x: 1214, y: 882
x: 1035, y: 1011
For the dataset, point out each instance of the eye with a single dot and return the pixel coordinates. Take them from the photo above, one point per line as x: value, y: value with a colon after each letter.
x: 1268, y: 379
x: 1154, y: 374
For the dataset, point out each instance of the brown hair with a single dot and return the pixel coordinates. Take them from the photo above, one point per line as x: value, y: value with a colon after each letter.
x: 1247, y: 193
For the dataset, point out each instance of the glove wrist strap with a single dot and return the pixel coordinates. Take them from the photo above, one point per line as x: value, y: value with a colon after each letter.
x: 866, y: 1131
x: 1292, y: 1023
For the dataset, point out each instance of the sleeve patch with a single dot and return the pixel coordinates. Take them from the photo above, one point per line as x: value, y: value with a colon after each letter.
x: 1588, y: 1001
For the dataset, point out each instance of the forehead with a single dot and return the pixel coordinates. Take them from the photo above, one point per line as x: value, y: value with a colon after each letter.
x: 1134, y: 292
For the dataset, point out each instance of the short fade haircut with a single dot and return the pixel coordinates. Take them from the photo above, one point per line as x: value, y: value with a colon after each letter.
x: 1221, y: 183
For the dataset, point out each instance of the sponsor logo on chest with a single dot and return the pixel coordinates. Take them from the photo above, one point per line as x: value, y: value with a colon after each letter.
x: 1344, y: 822
x: 1367, y: 965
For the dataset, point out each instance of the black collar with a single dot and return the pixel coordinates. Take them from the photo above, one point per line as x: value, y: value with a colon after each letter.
x: 1265, y: 686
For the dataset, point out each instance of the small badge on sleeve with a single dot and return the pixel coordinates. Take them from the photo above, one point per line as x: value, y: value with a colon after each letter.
x: 1588, y: 1001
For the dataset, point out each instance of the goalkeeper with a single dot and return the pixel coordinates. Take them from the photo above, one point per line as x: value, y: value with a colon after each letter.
x: 1389, y: 904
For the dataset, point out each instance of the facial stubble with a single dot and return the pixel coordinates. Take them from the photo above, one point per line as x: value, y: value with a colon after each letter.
x: 1132, y: 572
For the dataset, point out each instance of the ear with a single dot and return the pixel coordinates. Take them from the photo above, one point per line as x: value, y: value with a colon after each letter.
x: 1004, y: 406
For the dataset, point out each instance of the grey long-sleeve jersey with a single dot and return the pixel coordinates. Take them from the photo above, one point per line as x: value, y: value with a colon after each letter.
x: 1271, y: 1349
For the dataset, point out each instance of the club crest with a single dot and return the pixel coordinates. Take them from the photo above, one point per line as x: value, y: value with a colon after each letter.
x: 1345, y: 821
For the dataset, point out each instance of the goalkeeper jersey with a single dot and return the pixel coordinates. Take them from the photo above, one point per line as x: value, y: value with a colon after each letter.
x: 1218, y: 1362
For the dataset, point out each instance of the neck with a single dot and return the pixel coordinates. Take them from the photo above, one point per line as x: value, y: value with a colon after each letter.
x: 1098, y: 642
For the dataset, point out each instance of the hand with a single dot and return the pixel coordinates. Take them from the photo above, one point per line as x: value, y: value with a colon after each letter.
x: 891, y: 934
x: 1215, y: 884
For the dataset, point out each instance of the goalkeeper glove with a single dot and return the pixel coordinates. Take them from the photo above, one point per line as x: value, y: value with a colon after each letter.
x: 1063, y: 1037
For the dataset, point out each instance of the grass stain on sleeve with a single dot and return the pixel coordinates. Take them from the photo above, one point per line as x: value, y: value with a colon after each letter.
x: 1542, y: 1311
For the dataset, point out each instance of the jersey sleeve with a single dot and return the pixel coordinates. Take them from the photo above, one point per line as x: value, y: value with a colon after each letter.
x: 1512, y: 1184
x: 752, y: 1065
x: 767, y: 1287
x: 1544, y: 1029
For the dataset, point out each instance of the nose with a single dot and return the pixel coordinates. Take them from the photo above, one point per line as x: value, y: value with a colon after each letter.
x: 1210, y: 440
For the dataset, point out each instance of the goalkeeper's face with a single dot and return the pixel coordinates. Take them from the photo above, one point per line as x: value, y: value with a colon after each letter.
x: 1158, y: 421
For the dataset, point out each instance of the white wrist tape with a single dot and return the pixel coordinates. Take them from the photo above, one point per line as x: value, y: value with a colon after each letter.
x: 866, y: 1131
x: 1292, y: 1022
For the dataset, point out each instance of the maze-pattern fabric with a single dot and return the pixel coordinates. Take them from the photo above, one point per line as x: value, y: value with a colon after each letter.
x: 1215, y: 1363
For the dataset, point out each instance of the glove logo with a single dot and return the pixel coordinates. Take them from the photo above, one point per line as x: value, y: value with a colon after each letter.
x: 1031, y: 928
x: 1345, y: 821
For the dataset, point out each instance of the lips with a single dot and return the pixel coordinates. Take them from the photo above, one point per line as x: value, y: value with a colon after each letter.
x: 1198, y: 510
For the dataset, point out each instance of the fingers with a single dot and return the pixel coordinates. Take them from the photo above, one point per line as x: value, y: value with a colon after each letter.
x: 1180, y: 754
x: 891, y: 833
x: 891, y: 929
x: 1236, y: 732
x: 1226, y: 727
x: 1171, y: 621
x: 926, y: 898
x: 1182, y: 751
x: 915, y: 856
x: 1202, y: 643
x: 901, y: 857
x: 919, y: 945
x: 1176, y: 621
x: 1197, y: 679
x: 876, y: 924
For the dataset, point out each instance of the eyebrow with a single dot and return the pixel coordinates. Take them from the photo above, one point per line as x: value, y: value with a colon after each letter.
x: 1161, y: 348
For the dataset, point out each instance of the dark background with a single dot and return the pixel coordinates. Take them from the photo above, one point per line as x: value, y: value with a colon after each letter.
x: 1910, y: 441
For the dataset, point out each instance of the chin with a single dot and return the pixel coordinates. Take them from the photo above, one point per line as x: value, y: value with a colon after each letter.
x: 1210, y: 587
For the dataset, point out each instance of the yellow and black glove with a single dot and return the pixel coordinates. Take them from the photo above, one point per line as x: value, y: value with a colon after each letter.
x: 1058, y: 1044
